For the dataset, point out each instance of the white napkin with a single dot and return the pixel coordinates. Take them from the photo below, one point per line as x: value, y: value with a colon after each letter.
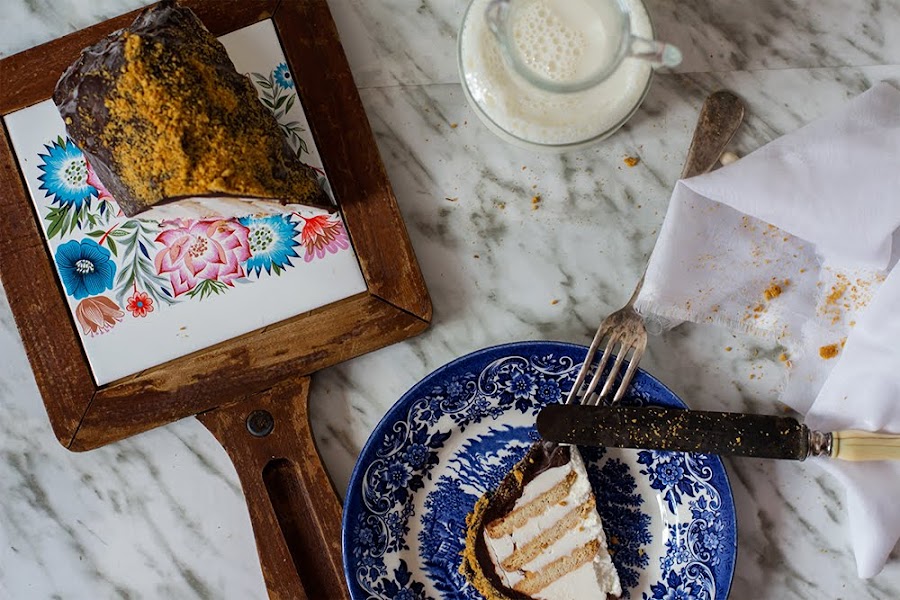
x: 796, y: 242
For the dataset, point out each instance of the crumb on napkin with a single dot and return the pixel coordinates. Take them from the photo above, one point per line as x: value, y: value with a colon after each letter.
x: 829, y: 351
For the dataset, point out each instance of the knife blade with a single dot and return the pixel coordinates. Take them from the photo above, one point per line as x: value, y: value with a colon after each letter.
x: 724, y: 433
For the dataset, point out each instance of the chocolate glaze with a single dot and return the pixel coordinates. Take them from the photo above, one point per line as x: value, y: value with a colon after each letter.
x: 82, y: 90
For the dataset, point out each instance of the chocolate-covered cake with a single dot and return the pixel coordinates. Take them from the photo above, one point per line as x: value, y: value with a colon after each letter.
x: 538, y: 535
x: 162, y: 114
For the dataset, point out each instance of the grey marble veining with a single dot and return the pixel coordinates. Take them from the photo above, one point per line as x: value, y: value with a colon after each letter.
x: 414, y: 41
x: 161, y: 515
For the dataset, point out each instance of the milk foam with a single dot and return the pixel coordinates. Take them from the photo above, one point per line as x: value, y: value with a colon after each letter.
x: 554, y: 41
x: 566, y: 40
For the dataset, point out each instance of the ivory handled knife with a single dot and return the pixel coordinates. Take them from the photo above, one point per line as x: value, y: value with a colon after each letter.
x: 724, y: 433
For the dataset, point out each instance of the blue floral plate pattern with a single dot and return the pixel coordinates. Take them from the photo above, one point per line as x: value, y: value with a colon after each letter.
x: 669, y: 517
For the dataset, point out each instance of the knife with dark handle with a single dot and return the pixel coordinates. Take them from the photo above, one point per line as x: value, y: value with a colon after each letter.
x: 728, y: 434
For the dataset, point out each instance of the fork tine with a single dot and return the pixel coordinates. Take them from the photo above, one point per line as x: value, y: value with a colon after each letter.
x: 617, y: 366
x: 598, y: 374
x: 586, y: 366
x: 629, y: 374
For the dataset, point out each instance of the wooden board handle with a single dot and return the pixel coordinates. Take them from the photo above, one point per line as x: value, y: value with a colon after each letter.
x: 294, y: 510
x: 865, y: 445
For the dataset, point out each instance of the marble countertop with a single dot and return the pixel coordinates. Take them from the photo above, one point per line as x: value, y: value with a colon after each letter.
x: 161, y: 515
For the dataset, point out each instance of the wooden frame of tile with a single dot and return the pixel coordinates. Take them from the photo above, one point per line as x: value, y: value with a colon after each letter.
x: 395, y: 307
x: 295, y: 514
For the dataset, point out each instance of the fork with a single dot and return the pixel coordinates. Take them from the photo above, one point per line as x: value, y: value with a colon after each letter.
x: 720, y: 116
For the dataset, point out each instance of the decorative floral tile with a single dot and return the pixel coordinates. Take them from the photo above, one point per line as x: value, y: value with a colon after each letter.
x: 146, y: 292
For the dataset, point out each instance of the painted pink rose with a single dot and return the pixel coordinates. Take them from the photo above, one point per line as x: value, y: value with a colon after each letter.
x: 323, y: 233
x: 94, y: 181
x: 196, y: 250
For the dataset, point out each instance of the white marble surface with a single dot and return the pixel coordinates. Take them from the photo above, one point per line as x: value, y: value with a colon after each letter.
x: 161, y: 515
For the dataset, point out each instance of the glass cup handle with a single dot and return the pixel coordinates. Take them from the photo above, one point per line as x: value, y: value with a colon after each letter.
x: 658, y: 54
x: 496, y: 13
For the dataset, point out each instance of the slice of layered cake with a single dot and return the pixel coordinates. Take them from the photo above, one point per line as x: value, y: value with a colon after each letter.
x: 538, y: 536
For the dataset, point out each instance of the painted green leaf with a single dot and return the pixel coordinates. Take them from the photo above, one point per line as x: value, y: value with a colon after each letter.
x: 57, y: 220
x: 262, y: 81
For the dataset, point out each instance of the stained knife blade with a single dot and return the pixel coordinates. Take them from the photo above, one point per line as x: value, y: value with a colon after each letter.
x: 657, y: 428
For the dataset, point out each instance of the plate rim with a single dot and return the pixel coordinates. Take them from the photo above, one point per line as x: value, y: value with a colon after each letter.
x: 403, y: 400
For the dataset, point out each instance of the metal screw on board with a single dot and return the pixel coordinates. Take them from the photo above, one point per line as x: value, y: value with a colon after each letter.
x: 260, y: 423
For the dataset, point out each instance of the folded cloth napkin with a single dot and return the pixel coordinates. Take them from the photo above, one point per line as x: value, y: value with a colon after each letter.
x: 797, y: 242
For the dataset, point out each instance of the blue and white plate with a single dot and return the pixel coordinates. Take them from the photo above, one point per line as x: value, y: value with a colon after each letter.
x: 669, y: 516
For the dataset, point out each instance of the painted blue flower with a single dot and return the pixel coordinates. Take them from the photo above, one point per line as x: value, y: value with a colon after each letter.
x: 669, y: 471
x: 85, y: 268
x: 396, y: 475
x: 65, y: 174
x: 521, y: 385
x: 710, y: 540
x: 365, y: 536
x: 674, y: 587
x: 398, y: 526
x: 548, y: 391
x: 416, y: 455
x: 283, y: 76
x: 682, y: 592
x: 271, y: 243
x: 407, y: 594
x: 455, y: 389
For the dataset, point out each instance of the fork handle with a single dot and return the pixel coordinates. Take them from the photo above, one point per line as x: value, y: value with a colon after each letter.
x: 719, y: 119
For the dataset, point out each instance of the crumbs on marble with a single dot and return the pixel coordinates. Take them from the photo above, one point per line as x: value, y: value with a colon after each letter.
x: 535, y: 202
x: 454, y: 125
x: 554, y: 302
x: 451, y: 199
x: 631, y: 161
x: 476, y: 256
x: 728, y: 348
x: 501, y: 205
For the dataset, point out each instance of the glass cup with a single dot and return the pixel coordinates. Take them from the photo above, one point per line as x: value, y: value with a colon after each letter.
x: 612, y: 43
x: 557, y: 75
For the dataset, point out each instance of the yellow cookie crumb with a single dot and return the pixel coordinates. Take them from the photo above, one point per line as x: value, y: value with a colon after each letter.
x: 829, y: 351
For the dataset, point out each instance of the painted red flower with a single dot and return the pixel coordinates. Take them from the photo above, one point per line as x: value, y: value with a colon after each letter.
x: 139, y: 304
x: 323, y: 233
x: 209, y: 249
x: 93, y: 180
x: 97, y: 315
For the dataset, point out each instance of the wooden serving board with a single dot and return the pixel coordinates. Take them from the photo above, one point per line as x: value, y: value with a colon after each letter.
x: 258, y: 380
